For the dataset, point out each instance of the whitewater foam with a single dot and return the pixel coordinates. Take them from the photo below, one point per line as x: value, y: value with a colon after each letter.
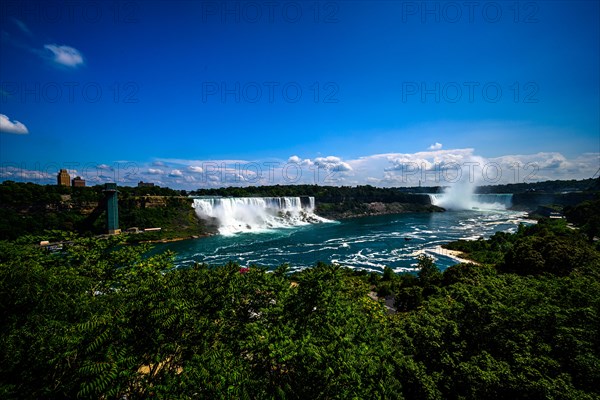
x: 457, y: 200
x: 257, y: 214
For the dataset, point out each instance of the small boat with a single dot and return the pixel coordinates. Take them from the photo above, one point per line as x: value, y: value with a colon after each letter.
x: 408, y: 239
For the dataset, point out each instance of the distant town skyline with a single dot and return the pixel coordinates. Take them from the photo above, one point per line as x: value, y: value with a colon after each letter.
x: 190, y: 94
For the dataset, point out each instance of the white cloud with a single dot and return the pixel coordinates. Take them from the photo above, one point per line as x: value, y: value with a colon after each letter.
x: 297, y: 160
x: 435, y: 146
x: 60, y: 55
x: 65, y: 55
x: 332, y: 163
x: 547, y: 166
x: 432, y: 168
x: 16, y: 127
x: 427, y: 160
x: 17, y: 174
x: 196, y: 169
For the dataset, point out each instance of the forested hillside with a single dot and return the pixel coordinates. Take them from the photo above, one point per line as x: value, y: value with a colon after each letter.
x: 324, y: 194
x: 101, y: 320
x: 27, y: 208
x: 30, y: 209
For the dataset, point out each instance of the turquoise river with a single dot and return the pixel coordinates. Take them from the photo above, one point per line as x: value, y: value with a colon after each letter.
x: 370, y: 243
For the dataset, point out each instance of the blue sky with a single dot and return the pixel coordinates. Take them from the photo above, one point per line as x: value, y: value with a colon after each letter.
x: 204, y: 93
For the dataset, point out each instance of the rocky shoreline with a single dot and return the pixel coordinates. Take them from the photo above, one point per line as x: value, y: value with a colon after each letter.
x: 453, y: 254
x: 178, y: 239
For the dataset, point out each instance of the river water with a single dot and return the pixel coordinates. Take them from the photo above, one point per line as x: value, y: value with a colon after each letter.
x: 370, y: 243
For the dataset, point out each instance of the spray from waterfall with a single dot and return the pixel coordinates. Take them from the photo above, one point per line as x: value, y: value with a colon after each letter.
x: 462, y: 201
x: 460, y: 194
x: 457, y: 197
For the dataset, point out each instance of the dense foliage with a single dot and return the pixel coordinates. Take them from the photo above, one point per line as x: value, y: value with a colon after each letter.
x: 324, y: 194
x: 27, y: 208
x: 367, y: 192
x: 102, y: 320
x: 550, y: 246
x: 587, y: 216
x: 557, y: 186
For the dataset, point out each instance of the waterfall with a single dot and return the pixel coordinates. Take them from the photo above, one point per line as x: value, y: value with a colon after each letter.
x: 456, y: 200
x: 257, y: 214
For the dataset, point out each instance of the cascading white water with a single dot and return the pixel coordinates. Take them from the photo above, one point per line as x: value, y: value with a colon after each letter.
x: 467, y: 200
x: 256, y: 214
x: 460, y: 195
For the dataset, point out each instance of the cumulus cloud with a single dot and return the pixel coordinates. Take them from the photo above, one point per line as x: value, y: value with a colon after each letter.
x: 65, y: 55
x: 548, y: 166
x: 445, y: 167
x: 330, y: 170
x: 15, y: 127
x: 332, y: 163
x: 441, y: 167
x: 435, y: 146
x: 432, y: 168
x: 542, y: 160
x: 196, y: 169
x: 428, y: 160
x: 297, y: 160
x: 17, y: 174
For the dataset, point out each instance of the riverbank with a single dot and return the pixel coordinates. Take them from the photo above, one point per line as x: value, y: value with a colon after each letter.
x: 169, y: 237
x: 176, y: 239
x: 453, y: 254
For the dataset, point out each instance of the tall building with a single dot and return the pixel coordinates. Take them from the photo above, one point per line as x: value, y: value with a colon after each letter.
x: 112, y: 208
x: 78, y: 182
x: 145, y: 184
x: 63, y: 178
